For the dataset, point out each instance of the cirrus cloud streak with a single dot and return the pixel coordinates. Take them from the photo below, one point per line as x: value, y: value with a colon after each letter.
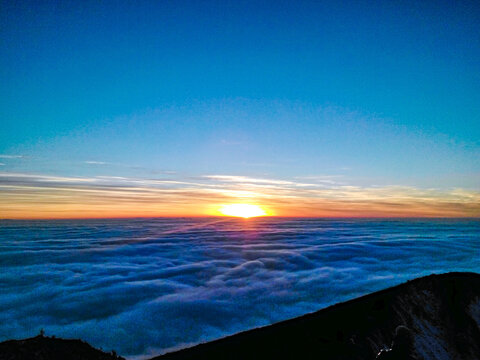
x: 45, y: 196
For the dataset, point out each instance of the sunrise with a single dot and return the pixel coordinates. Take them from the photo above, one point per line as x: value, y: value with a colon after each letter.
x: 239, y: 180
x: 242, y: 210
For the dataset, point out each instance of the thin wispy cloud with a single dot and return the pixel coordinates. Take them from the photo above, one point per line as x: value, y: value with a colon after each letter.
x: 95, y: 162
x: 327, y: 179
x: 246, y: 179
x: 24, y: 195
x: 233, y: 178
x: 5, y: 156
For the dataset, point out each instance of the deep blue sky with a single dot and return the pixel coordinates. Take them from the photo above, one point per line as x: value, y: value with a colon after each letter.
x: 377, y: 92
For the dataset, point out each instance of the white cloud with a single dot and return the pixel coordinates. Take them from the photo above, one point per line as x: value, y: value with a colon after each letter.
x: 95, y: 162
x: 4, y: 156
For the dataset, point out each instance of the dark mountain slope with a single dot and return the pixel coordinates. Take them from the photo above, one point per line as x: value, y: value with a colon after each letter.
x: 441, y: 311
x: 48, y: 348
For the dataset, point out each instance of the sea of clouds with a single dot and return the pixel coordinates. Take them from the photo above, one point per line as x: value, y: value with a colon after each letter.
x: 147, y: 286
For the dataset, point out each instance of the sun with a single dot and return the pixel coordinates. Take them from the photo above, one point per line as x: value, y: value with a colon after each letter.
x: 242, y: 210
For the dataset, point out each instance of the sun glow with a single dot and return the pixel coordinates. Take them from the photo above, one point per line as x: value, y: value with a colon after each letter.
x: 242, y: 210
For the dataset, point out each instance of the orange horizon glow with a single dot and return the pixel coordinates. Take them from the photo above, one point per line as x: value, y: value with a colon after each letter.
x: 242, y: 210
x: 72, y: 215
x: 160, y: 216
x: 321, y: 209
x: 48, y: 197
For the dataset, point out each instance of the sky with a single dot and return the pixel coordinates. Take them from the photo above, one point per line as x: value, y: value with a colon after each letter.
x: 174, y: 108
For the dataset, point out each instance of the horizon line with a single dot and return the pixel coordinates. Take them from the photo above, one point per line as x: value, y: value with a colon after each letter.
x: 240, y: 218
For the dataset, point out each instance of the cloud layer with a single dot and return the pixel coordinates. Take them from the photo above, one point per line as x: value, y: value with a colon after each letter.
x: 46, y: 196
x: 142, y: 287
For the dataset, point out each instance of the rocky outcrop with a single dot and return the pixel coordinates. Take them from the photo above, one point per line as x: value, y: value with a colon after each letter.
x: 50, y: 348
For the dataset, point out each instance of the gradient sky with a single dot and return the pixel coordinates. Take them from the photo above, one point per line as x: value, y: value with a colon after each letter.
x: 172, y: 108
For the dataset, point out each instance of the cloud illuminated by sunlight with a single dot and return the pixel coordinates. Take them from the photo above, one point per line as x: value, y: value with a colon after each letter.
x: 37, y: 196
